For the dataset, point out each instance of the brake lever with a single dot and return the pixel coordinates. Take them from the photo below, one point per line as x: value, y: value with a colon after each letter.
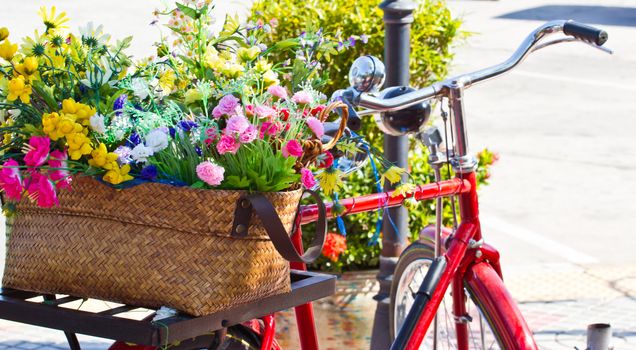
x: 566, y: 40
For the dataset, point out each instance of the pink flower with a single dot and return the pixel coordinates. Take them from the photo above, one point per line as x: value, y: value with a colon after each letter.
x: 278, y: 91
x: 316, y: 126
x: 307, y: 178
x: 249, y: 110
x: 236, y: 125
x: 212, y: 134
x: 227, y: 144
x: 227, y: 106
x: 10, y: 180
x: 249, y: 134
x: 292, y: 148
x: 42, y: 190
x: 269, y: 129
x: 62, y: 178
x: 210, y: 173
x: 265, y: 112
x: 302, y: 97
x: 39, y: 147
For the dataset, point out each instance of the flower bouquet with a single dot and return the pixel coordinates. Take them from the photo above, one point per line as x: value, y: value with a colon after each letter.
x: 125, y: 176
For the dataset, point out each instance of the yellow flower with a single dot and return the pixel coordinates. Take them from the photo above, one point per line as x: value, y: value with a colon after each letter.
x: 232, y: 70
x: 102, y: 158
x: 166, y: 81
x: 262, y: 66
x: 78, y: 145
x: 393, y: 174
x: 7, y: 50
x: 329, y: 180
x: 403, y: 189
x: 51, y: 21
x: 28, y: 68
x: 118, y: 175
x: 213, y: 60
x: 34, y: 46
x: 50, y: 122
x: 59, y: 62
x: 6, y: 138
x: 80, y: 112
x: 67, y: 125
x: 248, y: 55
x: 270, y: 78
x: 192, y: 95
x: 18, y: 88
x: 4, y: 33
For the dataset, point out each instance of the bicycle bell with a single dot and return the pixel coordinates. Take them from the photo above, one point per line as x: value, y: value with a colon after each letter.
x: 367, y: 74
x: 405, y: 121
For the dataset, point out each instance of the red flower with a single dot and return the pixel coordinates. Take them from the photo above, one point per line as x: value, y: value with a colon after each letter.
x: 284, y: 114
x: 317, y: 110
x: 335, y: 245
x: 325, y: 160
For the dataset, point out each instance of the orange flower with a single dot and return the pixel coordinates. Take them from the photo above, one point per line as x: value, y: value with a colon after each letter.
x: 335, y: 245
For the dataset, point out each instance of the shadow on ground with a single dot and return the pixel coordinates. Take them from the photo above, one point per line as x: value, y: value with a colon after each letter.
x: 607, y: 15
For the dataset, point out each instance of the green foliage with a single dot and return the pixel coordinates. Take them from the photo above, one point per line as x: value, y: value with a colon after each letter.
x: 433, y: 32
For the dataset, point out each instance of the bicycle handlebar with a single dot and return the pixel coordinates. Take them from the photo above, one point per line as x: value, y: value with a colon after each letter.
x: 576, y: 30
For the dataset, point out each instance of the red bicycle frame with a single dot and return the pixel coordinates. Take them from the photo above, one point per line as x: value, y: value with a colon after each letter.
x: 480, y: 272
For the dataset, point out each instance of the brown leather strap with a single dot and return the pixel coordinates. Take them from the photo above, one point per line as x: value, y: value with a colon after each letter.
x: 275, y: 229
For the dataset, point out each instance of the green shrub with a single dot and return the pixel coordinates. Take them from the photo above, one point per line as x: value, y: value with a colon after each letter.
x: 433, y: 33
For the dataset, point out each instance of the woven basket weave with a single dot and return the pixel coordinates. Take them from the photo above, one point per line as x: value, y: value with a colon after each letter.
x: 150, y: 245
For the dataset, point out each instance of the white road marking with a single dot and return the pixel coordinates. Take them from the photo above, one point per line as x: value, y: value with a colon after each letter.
x: 592, y: 82
x: 542, y: 242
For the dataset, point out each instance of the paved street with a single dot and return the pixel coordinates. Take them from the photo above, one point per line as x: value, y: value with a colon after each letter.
x: 560, y: 205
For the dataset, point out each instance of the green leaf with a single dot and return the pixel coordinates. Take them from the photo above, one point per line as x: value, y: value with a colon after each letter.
x: 46, y: 93
x: 198, y: 184
x: 188, y: 11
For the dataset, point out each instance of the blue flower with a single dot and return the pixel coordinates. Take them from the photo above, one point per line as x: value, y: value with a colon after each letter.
x: 149, y: 173
x: 133, y: 140
x: 186, y: 125
x: 198, y: 150
x: 172, y: 131
x: 119, y: 103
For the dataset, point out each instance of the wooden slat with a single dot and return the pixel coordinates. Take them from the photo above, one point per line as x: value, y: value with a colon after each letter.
x: 18, y: 294
x: 118, y: 310
x: 57, y: 302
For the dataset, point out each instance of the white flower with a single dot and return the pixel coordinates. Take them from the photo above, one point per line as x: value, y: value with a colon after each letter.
x: 98, y: 75
x: 93, y: 36
x: 157, y: 140
x: 140, y: 88
x: 141, y: 153
x: 97, y: 123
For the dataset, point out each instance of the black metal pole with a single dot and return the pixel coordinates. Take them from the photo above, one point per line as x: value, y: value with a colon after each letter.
x: 398, y: 16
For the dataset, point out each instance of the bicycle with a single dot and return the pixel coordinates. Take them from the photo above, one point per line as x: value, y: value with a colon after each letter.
x: 458, y: 259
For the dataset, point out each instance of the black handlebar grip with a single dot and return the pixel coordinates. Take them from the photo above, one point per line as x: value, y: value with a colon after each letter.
x: 585, y: 32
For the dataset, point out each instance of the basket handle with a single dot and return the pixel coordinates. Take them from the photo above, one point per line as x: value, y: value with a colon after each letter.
x: 275, y: 228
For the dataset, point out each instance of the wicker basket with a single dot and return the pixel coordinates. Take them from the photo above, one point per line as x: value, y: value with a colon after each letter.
x: 149, y: 245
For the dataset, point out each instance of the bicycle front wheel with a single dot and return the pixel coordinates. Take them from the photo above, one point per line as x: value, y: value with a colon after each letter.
x: 409, y: 274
